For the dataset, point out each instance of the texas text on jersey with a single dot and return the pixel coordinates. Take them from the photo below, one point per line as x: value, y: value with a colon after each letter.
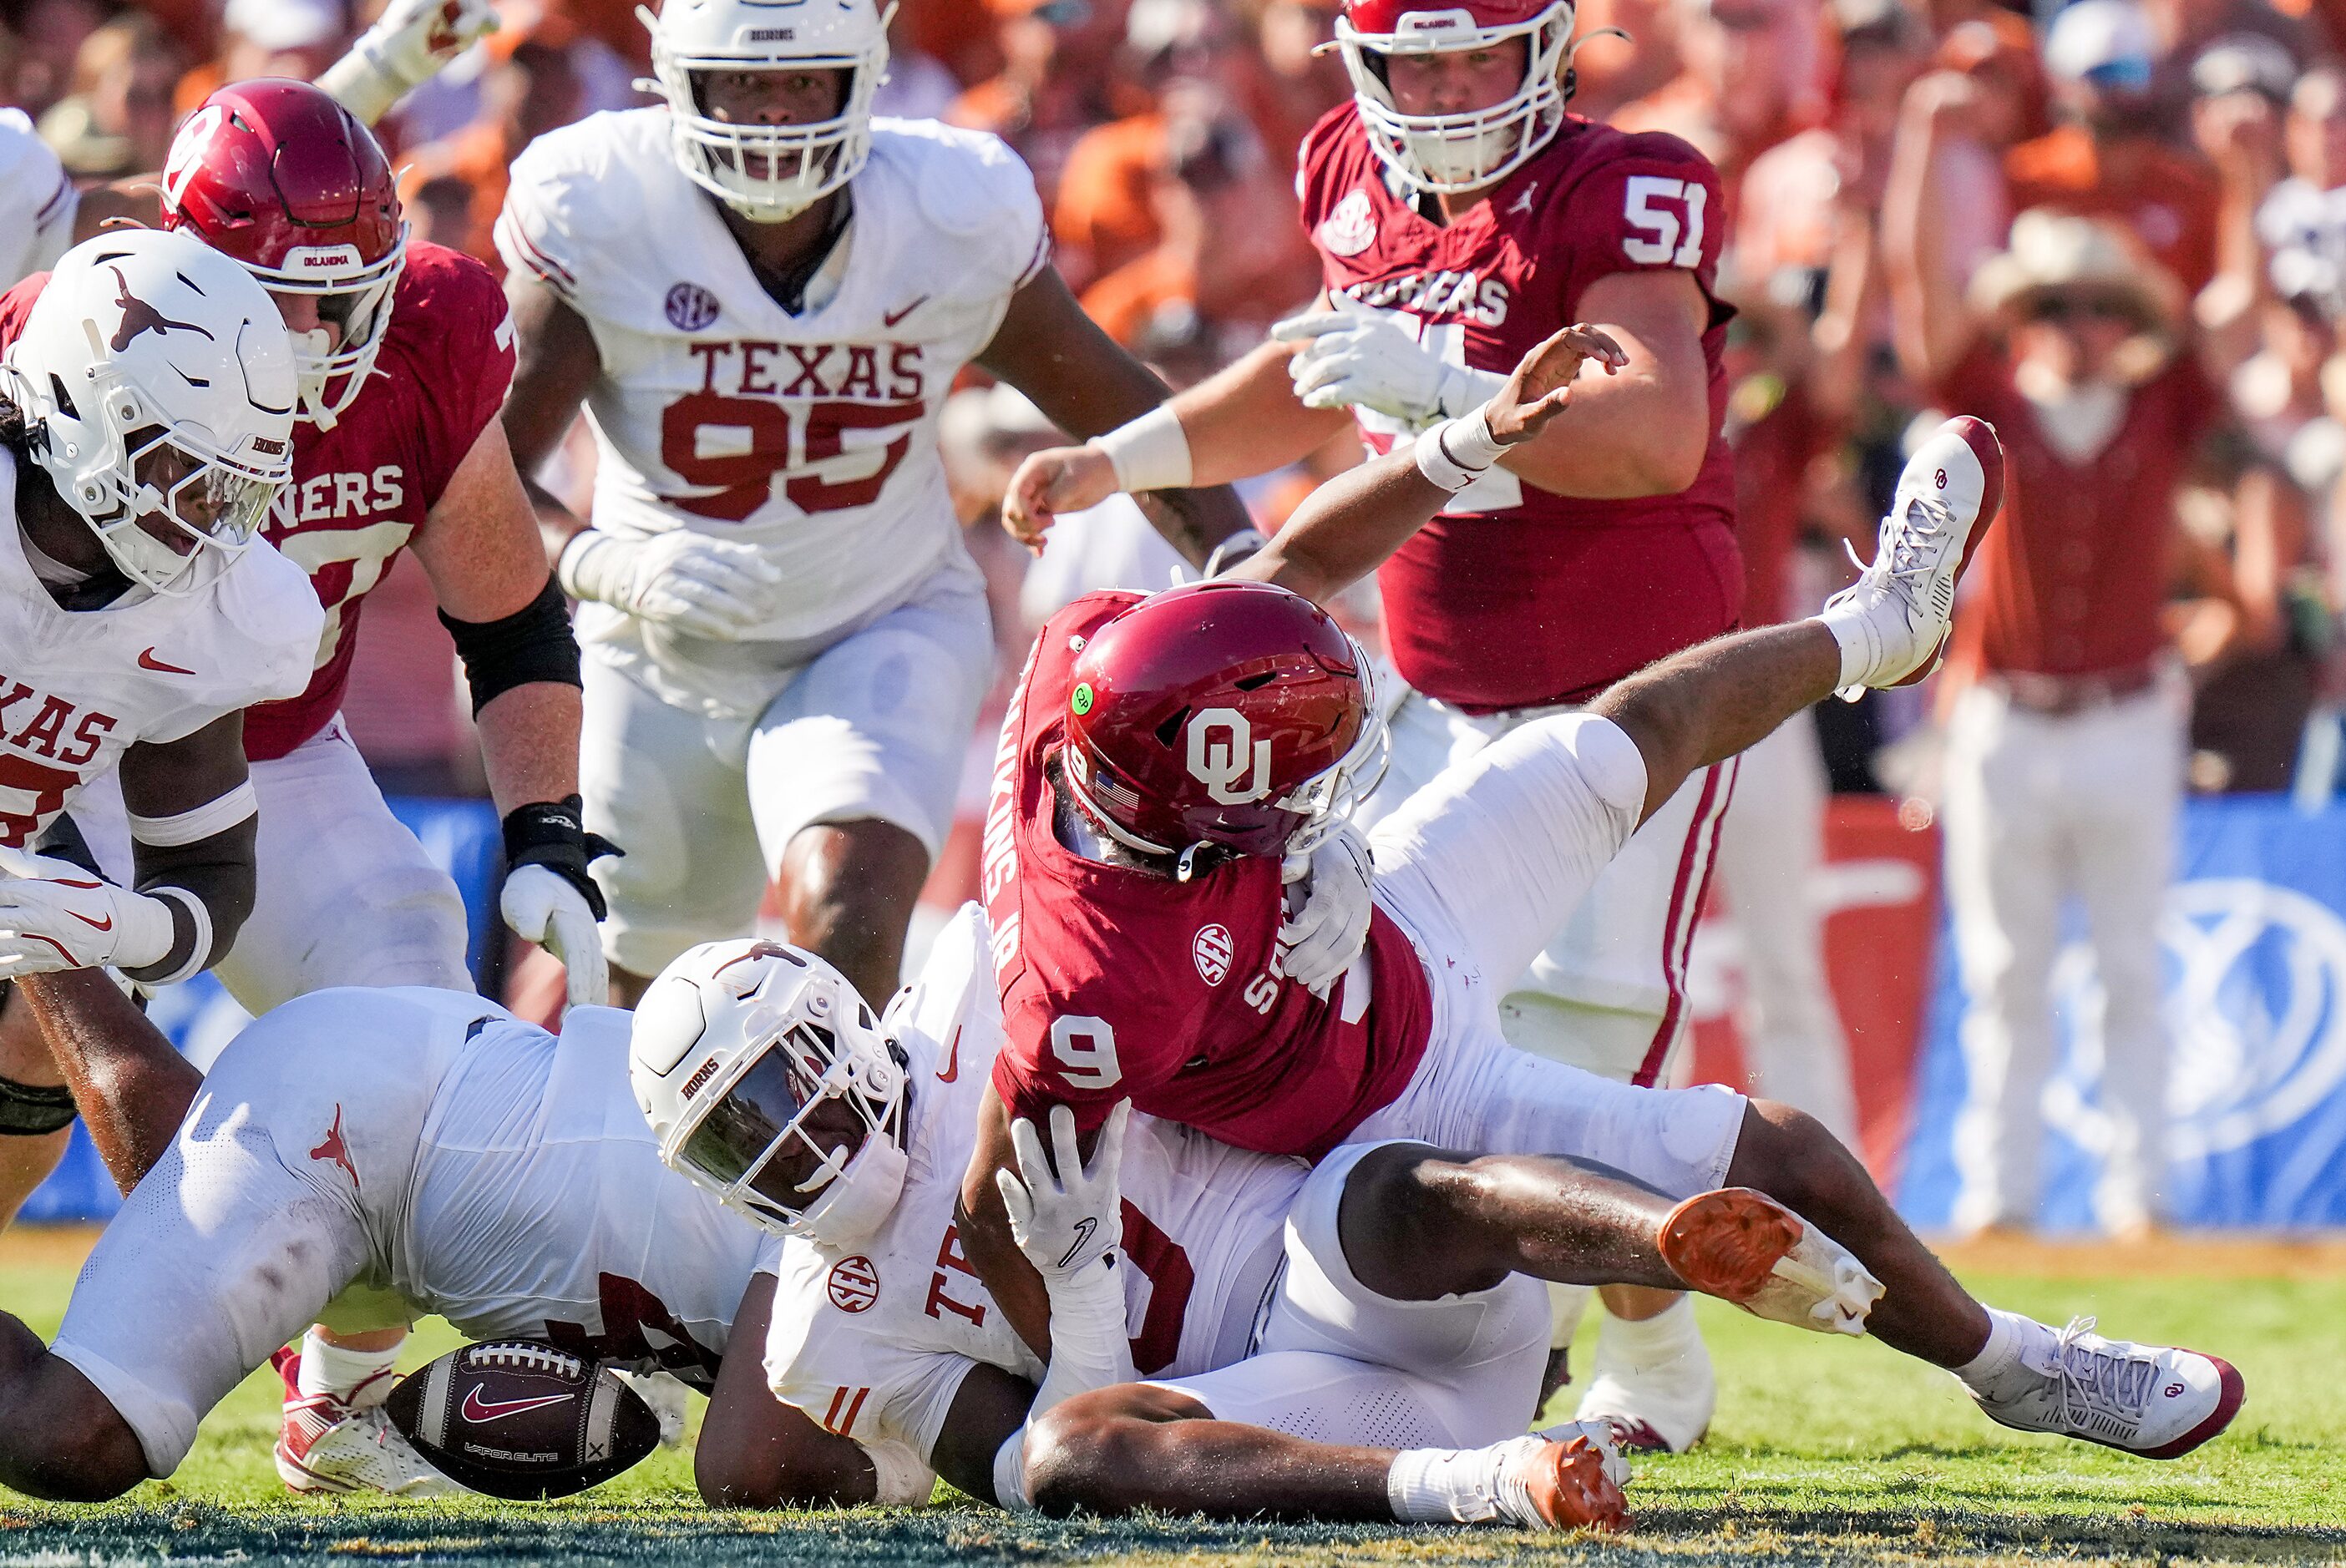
x: 812, y: 435
x: 77, y: 688
x: 1516, y: 597
x: 361, y: 490
x: 873, y: 1340
x: 1117, y: 984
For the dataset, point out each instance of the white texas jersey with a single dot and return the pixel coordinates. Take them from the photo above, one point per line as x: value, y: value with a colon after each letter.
x: 872, y: 1341
x: 810, y: 435
x: 79, y: 688
x: 538, y: 1207
x: 37, y: 201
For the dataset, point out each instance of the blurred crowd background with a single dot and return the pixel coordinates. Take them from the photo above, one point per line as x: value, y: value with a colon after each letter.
x: 2132, y: 213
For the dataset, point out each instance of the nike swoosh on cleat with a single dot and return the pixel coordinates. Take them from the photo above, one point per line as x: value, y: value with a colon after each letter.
x: 476, y: 1408
x: 148, y: 660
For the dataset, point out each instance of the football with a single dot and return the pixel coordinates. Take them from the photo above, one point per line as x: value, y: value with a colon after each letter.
x: 521, y: 1420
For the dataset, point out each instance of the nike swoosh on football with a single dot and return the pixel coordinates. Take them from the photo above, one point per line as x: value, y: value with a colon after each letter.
x: 890, y: 318
x: 148, y: 660
x: 952, y: 1060
x: 476, y: 1408
x: 106, y: 924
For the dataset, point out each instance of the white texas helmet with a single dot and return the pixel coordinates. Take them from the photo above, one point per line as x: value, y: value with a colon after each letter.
x: 734, y: 1046
x: 797, y: 165
x: 1472, y: 147
x: 157, y: 381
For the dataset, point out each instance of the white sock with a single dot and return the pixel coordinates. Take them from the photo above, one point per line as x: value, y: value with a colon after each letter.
x: 330, y: 1369
x: 1444, y: 1485
x: 1855, y: 639
x: 1653, y: 1342
x: 2008, y: 1335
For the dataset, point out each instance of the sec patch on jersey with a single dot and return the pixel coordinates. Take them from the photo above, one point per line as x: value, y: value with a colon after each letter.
x: 521, y: 1420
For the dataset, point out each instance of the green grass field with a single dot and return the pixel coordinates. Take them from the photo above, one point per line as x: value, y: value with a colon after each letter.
x: 1824, y: 1451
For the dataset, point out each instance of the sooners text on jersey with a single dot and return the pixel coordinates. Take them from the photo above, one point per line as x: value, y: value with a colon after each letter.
x: 361, y: 490
x: 1515, y: 597
x: 1118, y: 985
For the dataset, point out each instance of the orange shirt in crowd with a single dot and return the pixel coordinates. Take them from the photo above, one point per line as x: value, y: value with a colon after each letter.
x: 479, y: 156
x: 2166, y: 196
x: 2072, y: 578
x: 1127, y: 299
x: 1102, y: 212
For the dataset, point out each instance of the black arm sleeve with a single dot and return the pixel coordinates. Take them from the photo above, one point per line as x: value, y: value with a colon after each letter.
x: 534, y: 643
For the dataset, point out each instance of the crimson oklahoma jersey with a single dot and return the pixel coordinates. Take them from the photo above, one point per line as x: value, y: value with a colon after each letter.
x: 1116, y: 984
x: 1514, y: 597
x: 361, y: 490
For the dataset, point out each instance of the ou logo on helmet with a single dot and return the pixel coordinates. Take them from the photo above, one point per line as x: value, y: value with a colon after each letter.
x: 1226, y: 758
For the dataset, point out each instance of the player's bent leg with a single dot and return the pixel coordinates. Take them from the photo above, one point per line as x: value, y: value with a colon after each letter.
x: 2158, y: 1401
x: 36, y: 1112
x: 855, y: 769
x: 60, y: 1438
x: 848, y: 892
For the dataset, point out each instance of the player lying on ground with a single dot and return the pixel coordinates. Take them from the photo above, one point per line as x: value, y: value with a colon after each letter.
x: 1394, y: 1287
x: 395, y: 1152
x: 1164, y: 755
x: 444, y: 1157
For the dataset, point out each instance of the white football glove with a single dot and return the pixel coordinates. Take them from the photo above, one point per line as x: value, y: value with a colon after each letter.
x: 541, y: 906
x: 1323, y: 937
x: 1354, y: 357
x: 411, y: 42
x: 706, y: 587
x: 55, y: 916
x: 1067, y: 1221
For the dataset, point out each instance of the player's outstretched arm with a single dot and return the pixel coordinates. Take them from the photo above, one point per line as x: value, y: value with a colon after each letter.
x: 1049, y: 349
x: 556, y: 363
x: 131, y: 1088
x: 1348, y: 526
x: 480, y: 547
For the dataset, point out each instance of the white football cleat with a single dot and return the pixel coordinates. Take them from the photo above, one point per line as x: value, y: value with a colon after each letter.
x: 1659, y: 1400
x: 1898, y: 609
x: 1742, y: 1246
x: 2158, y: 1400
x: 326, y: 1444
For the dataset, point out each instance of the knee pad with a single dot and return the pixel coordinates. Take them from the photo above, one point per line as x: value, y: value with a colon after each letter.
x: 34, y: 1110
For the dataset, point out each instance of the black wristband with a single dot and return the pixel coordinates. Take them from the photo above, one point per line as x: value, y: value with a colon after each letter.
x: 549, y: 833
x: 34, y: 1110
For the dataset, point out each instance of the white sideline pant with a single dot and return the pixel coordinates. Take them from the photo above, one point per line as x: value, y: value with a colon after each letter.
x: 2039, y: 808
x: 1770, y: 851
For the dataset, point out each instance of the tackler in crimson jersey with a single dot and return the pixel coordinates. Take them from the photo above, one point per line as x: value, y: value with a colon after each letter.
x: 1469, y: 150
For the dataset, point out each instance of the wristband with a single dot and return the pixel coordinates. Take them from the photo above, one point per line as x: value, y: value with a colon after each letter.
x: 1089, y: 1347
x: 200, y: 944
x: 549, y: 833
x: 575, y: 568
x: 1457, y: 452
x: 1151, y: 452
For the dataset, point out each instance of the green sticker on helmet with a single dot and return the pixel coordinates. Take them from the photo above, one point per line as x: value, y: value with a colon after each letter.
x: 1082, y: 700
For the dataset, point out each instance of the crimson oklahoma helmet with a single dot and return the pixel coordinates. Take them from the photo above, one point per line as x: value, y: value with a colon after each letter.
x: 280, y: 177
x: 1472, y: 147
x: 1228, y: 713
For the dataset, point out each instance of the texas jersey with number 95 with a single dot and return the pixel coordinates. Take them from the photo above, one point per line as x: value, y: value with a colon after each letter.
x: 812, y: 435
x: 1482, y: 292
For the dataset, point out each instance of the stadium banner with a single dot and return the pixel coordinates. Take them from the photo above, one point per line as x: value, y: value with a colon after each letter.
x: 461, y: 836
